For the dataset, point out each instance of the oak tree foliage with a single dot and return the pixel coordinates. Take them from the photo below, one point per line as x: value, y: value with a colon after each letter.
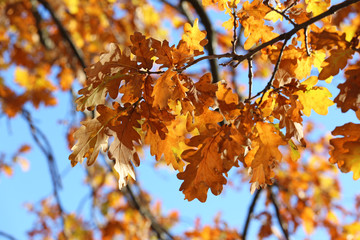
x: 190, y: 99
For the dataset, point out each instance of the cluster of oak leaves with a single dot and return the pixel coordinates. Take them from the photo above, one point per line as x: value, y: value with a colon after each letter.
x: 204, y: 125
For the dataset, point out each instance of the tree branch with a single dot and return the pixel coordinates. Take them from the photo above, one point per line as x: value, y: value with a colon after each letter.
x: 44, y: 145
x: 77, y: 52
x: 250, y: 213
x: 283, y: 225
x: 211, y: 46
x: 6, y: 235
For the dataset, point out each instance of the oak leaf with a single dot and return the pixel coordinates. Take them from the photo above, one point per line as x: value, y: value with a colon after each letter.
x: 265, y: 154
x: 208, y: 162
x: 194, y: 38
x: 105, y: 77
x: 316, y: 98
x: 91, y: 138
x: 349, y: 96
x: 337, y: 60
x: 346, y: 150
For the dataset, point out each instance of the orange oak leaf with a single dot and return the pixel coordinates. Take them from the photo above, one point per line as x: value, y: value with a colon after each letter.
x: 256, y: 31
x: 164, y: 53
x: 141, y: 48
x: 349, y: 96
x: 121, y: 123
x: 194, y: 38
x: 105, y: 77
x: 337, y: 60
x: 170, y: 146
x: 203, y: 93
x: 163, y: 89
x: 228, y: 101
x: 346, y: 150
x: 208, y: 162
x: 91, y: 138
x: 132, y: 89
x: 264, y: 155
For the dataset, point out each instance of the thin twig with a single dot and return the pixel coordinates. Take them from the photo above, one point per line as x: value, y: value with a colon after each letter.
x: 234, y: 41
x: 250, y: 213
x: 6, y: 235
x: 306, y: 41
x: 211, y: 46
x: 64, y: 33
x: 137, y: 204
x: 43, y: 35
x: 290, y: 6
x: 251, y: 75
x: 45, y: 146
x: 282, y: 13
x: 270, y: 82
x: 282, y: 224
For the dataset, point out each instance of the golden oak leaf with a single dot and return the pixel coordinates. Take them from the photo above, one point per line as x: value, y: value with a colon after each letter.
x: 222, y: 4
x: 208, y: 163
x: 316, y: 98
x: 338, y: 60
x: 171, y: 146
x: 264, y: 154
x: 132, y: 89
x: 203, y: 93
x: 349, y: 96
x: 164, y: 53
x: 317, y: 6
x: 182, y: 54
x: 141, y: 48
x: 105, y: 77
x: 256, y: 9
x: 163, y: 89
x: 91, y: 138
x: 228, y: 101
x: 38, y: 88
x: 308, y: 216
x: 346, y: 150
x: 256, y: 31
x: 194, y: 38
x: 66, y: 78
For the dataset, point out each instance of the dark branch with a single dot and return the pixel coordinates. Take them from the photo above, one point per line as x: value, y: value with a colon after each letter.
x: 282, y: 13
x: 211, y: 46
x: 6, y: 235
x: 283, y: 225
x: 306, y: 42
x: 250, y: 213
x: 269, y: 84
x: 77, y: 52
x: 251, y: 75
x: 44, y: 145
x: 155, y: 226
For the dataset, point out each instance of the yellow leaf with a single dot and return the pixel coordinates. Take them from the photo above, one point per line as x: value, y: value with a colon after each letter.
x: 317, y: 6
x: 308, y: 216
x: 314, y: 98
x: 194, y: 38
